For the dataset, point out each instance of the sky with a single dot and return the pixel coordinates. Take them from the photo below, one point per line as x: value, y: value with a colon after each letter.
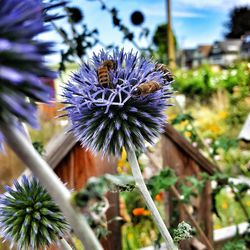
x: 194, y: 22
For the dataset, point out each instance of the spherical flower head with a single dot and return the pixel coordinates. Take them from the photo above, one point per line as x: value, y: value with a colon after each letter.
x: 22, y: 60
x: 108, y: 118
x: 29, y: 217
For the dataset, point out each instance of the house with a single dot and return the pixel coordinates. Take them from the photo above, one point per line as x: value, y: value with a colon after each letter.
x: 225, y: 52
x: 245, y: 47
x: 186, y: 59
x: 195, y: 57
x: 200, y: 55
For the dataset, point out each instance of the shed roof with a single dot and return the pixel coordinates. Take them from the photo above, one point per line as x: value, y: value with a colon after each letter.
x: 61, y: 144
x: 190, y: 150
x: 58, y: 147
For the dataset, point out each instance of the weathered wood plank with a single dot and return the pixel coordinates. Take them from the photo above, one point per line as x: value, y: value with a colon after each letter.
x: 183, y: 165
x: 187, y: 147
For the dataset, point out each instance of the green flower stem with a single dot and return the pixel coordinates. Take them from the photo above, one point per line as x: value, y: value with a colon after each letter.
x: 64, y: 245
x: 51, y: 183
x: 149, y: 201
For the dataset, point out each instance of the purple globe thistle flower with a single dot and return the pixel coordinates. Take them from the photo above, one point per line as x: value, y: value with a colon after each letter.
x: 109, y: 118
x: 22, y: 61
x: 29, y: 217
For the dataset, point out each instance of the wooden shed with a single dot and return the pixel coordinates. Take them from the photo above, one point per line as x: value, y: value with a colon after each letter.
x: 186, y: 160
x: 74, y: 165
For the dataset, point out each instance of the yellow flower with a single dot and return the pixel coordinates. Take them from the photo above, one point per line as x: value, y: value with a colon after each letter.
x: 123, y: 164
x: 130, y: 236
x: 123, y: 159
x: 214, y: 128
x: 171, y: 117
x: 184, y: 123
x: 187, y: 133
x: 217, y: 226
x: 119, y: 169
x: 223, y: 114
x: 224, y: 205
x: 248, y: 203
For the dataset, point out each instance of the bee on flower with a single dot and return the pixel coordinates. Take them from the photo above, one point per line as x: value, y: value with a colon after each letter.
x: 126, y: 112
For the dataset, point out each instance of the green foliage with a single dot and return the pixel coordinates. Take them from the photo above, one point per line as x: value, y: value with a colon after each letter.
x: 91, y: 199
x: 197, y: 82
x: 163, y: 181
x: 134, y: 236
x: 224, y: 143
x: 182, y: 117
x: 97, y: 187
x: 39, y: 147
x: 238, y: 23
x: 237, y: 244
x: 133, y: 200
x: 191, y: 186
x: 204, y: 81
x: 160, y: 41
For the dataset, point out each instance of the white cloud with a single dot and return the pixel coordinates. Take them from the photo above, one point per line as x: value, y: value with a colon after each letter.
x: 159, y: 11
x: 221, y: 5
x: 187, y: 14
x: 156, y: 11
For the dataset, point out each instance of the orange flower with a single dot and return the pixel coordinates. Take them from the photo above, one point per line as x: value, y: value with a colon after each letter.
x: 141, y: 211
x: 146, y: 212
x: 159, y: 197
x: 138, y: 211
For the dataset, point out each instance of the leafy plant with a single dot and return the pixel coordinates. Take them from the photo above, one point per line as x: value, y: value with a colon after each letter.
x: 91, y: 199
x: 238, y: 244
x: 163, y: 181
x: 191, y: 186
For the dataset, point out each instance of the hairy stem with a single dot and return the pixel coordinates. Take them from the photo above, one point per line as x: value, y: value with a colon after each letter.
x: 51, y: 183
x: 185, y: 208
x: 64, y: 245
x: 149, y: 201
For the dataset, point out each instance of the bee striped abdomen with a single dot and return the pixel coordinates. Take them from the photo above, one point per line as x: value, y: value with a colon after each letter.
x: 103, y: 76
x: 147, y: 88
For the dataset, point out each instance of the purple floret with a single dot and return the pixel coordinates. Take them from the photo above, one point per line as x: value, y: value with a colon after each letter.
x: 22, y: 61
x: 108, y: 119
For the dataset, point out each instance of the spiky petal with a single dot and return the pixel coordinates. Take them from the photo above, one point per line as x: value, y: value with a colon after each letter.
x: 29, y: 217
x: 22, y: 60
x: 108, y: 119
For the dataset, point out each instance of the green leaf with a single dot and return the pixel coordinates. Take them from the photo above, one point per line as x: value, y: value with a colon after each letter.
x: 163, y: 181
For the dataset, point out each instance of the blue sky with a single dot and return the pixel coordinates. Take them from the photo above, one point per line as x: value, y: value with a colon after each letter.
x: 194, y: 21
